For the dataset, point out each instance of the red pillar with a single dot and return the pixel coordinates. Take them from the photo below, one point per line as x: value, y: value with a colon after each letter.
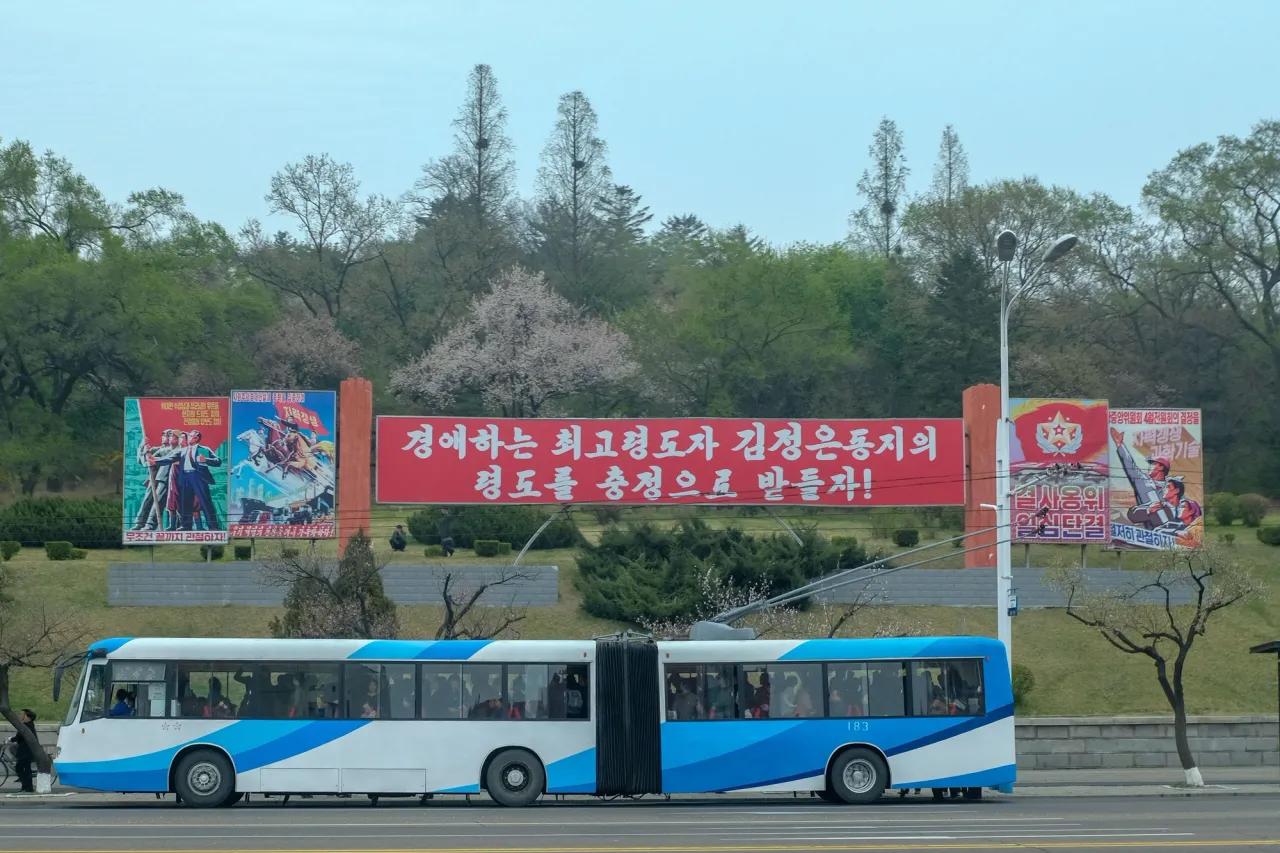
x: 355, y: 445
x: 981, y: 413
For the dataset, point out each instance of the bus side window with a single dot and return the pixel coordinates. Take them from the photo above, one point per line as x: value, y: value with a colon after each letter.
x: 847, y: 689
x: 685, y: 700
x: 887, y: 694
x: 442, y: 691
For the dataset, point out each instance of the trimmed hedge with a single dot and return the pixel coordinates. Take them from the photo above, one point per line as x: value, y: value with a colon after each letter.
x: 85, y: 523
x: 906, y: 538
x: 213, y: 552
x: 79, y: 553
x: 243, y: 552
x: 9, y: 549
x: 512, y: 524
x: 1269, y: 535
x: 1253, y: 508
x: 433, y: 551
x: 490, y: 548
x: 59, y: 550
x: 1225, y: 508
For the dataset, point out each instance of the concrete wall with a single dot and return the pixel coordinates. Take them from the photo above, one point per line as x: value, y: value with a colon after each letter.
x: 220, y: 583
x: 977, y: 587
x: 1062, y: 743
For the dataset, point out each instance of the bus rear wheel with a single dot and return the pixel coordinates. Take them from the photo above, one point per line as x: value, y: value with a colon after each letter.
x: 515, y: 778
x: 204, y: 779
x: 858, y: 776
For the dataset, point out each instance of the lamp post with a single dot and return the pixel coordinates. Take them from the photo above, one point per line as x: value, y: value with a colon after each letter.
x: 1006, y: 247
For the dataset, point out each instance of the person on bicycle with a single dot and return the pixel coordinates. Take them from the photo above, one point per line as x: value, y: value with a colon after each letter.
x: 22, y: 753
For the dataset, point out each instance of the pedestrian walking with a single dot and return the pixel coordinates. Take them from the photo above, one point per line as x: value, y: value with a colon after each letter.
x: 23, y: 754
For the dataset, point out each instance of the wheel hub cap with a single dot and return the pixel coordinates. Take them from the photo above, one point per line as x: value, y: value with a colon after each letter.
x: 859, y: 776
x: 204, y: 778
x: 515, y: 778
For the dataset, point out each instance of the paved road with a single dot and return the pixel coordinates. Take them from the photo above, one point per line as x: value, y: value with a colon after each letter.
x: 752, y: 825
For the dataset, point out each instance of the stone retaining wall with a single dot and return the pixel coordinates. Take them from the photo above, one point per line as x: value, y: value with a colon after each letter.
x: 977, y: 587
x: 242, y: 583
x: 1092, y: 743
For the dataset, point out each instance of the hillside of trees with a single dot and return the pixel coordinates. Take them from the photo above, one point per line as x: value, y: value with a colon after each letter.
x: 462, y: 297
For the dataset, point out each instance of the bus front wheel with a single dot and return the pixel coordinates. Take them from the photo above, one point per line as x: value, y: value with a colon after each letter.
x: 858, y: 776
x: 204, y: 779
x: 515, y: 778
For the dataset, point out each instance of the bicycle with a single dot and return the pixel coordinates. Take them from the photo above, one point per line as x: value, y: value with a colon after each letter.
x: 6, y: 768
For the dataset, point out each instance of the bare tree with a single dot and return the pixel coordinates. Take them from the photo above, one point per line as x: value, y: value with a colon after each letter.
x: 865, y: 615
x: 883, y: 185
x: 951, y: 172
x: 572, y: 182
x: 470, y: 610
x: 337, y: 232
x: 465, y: 202
x: 1143, y: 620
x: 481, y: 171
x: 31, y: 638
x: 521, y: 346
x: 327, y: 602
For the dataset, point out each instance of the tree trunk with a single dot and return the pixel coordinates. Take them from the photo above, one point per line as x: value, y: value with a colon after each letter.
x: 1177, y: 701
x: 43, y: 763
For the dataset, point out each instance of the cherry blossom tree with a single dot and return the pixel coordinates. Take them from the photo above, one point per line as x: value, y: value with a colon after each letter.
x: 521, y: 346
x: 302, y: 350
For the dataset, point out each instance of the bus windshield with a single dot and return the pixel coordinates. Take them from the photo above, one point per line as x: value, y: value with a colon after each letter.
x: 73, y: 707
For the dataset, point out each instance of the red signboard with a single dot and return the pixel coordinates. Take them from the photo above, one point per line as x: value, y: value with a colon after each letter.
x: 433, y: 460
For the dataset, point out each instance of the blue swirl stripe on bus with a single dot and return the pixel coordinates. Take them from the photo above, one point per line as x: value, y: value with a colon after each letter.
x: 734, y: 754
x: 418, y: 650
x: 574, y: 774
x: 250, y: 743
x: 109, y: 645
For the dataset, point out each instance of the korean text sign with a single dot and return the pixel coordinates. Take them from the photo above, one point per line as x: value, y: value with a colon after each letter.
x: 283, y: 471
x: 175, y: 470
x: 1058, y: 463
x: 908, y: 462
x: 1157, y: 478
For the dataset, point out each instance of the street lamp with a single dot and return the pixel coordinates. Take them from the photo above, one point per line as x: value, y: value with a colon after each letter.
x: 1006, y: 247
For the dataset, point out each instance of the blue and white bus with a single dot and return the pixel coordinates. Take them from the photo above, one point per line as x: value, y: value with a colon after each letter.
x: 214, y: 719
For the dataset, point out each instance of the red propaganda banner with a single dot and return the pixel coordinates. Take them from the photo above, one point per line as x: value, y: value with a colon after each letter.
x: 1059, y: 468
x: 433, y: 460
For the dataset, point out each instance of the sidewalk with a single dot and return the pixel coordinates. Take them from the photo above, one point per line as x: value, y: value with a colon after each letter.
x: 1156, y: 782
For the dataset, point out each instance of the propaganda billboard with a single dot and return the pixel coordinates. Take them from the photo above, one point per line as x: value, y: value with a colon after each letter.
x: 439, y: 460
x: 175, y: 476
x: 1157, y: 478
x: 1058, y: 464
x: 284, y: 464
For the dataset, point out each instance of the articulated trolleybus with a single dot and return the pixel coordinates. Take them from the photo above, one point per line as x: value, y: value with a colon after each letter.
x: 214, y: 719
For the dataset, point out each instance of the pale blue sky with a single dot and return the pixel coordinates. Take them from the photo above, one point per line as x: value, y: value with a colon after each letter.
x: 737, y: 111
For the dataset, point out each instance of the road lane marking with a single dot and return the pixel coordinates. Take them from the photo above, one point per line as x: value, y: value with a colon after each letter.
x: 750, y: 848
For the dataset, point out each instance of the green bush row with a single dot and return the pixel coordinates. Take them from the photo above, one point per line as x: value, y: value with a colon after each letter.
x: 85, y: 523
x: 9, y: 549
x: 64, y: 551
x: 490, y: 547
x: 646, y: 572
x: 1227, y: 508
x: 512, y: 524
x: 1269, y: 535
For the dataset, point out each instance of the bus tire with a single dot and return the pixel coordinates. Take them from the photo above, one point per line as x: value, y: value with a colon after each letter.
x: 828, y: 796
x: 204, y: 779
x: 858, y: 776
x: 230, y: 801
x: 515, y: 778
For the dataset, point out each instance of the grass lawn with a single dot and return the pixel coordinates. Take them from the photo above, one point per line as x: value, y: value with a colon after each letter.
x: 1076, y: 671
